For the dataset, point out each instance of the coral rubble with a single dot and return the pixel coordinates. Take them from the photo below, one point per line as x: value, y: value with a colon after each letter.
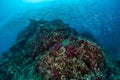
x: 54, y: 51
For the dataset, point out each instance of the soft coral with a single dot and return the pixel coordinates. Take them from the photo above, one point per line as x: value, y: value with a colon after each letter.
x: 57, y: 46
x: 55, y: 74
x: 70, y: 51
x: 73, y: 38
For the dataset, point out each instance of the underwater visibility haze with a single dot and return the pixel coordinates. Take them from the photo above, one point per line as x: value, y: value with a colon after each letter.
x: 60, y: 39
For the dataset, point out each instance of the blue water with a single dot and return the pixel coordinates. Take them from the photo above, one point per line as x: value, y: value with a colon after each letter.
x: 100, y: 18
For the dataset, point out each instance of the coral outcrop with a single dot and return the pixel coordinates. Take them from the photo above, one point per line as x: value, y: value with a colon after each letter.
x: 78, y: 60
x: 55, y: 51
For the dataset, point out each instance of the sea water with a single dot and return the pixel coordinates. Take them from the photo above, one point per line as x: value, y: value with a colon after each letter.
x: 100, y: 18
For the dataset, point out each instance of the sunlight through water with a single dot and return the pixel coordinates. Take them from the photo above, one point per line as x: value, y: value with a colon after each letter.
x: 36, y: 1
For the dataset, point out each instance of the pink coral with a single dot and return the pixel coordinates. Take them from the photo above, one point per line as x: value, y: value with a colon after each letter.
x: 69, y: 54
x: 73, y: 38
x: 55, y: 74
x: 57, y: 46
x: 70, y: 51
x: 71, y: 48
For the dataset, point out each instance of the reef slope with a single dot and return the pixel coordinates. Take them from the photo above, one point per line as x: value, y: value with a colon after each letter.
x: 55, y: 51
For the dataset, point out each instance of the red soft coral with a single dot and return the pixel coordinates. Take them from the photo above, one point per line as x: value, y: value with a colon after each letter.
x: 55, y: 74
x: 69, y: 54
x: 57, y: 46
x: 70, y: 51
x: 71, y: 48
x: 73, y: 38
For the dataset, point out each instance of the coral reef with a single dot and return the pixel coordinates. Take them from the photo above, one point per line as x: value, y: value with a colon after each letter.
x: 75, y: 62
x: 55, y: 51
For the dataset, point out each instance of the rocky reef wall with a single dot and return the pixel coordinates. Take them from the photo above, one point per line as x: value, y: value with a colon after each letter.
x: 55, y: 51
